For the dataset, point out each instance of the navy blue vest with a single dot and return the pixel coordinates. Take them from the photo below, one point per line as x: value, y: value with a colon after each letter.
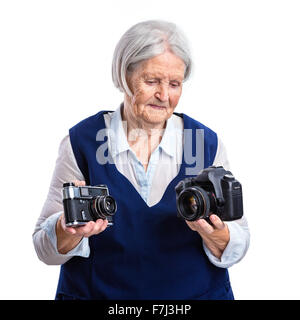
x: 149, y: 253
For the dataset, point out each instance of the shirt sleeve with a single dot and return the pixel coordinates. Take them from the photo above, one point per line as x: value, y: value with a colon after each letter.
x: 44, y: 236
x: 238, y: 244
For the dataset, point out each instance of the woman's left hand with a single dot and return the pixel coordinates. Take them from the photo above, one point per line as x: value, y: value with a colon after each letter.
x: 215, y: 236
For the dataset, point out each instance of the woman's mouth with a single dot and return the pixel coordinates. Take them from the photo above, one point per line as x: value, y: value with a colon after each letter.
x: 154, y: 106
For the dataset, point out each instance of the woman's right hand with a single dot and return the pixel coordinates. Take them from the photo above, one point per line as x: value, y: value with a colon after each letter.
x: 68, y: 237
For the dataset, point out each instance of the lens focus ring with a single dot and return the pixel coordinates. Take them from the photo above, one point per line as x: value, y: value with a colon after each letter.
x: 104, y: 206
x: 193, y: 203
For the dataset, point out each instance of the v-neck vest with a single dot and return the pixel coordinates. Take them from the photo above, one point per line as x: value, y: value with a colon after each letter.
x: 149, y: 253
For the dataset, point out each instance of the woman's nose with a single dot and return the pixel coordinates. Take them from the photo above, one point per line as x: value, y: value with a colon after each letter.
x: 162, y: 93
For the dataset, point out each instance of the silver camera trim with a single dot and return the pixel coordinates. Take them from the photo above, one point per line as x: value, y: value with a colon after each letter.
x: 72, y: 192
x: 76, y: 224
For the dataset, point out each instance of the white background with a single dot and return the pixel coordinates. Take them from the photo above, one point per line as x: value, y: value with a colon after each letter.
x: 55, y: 70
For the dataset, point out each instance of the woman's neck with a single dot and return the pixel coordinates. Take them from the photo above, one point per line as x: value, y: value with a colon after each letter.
x: 143, y: 138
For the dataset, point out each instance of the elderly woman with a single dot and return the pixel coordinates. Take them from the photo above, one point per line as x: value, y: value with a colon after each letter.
x: 149, y: 253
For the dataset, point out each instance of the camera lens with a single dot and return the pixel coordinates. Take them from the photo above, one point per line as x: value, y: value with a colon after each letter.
x: 193, y: 203
x: 109, y: 205
x: 103, y: 207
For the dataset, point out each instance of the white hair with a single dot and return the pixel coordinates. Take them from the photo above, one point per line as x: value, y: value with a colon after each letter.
x: 146, y: 40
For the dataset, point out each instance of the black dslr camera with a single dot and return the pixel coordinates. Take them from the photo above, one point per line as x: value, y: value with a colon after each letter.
x: 86, y: 203
x: 214, y: 190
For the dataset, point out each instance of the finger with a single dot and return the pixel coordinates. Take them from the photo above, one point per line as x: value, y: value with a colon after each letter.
x: 93, y: 228
x: 105, y: 224
x: 79, y: 183
x: 97, y: 226
x: 87, y: 230
x: 200, y: 226
x: 100, y: 225
x: 191, y: 225
x: 204, y: 226
x: 217, y: 222
x: 81, y: 231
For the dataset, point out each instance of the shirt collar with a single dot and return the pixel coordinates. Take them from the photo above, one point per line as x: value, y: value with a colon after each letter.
x: 119, y: 141
x: 117, y: 134
x: 167, y: 142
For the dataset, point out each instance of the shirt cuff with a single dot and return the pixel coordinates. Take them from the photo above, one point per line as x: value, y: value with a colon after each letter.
x: 49, y: 226
x: 235, y: 249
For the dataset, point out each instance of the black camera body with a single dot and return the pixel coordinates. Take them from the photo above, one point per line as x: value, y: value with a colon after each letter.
x: 87, y: 203
x: 213, y: 191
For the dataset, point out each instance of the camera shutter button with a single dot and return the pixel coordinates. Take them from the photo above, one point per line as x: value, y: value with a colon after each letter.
x: 228, y: 177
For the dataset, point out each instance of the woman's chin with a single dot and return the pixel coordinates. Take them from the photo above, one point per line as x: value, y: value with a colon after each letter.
x: 156, y: 116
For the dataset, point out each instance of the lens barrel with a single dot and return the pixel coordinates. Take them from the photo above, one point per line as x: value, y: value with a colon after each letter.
x: 103, y: 207
x: 193, y: 203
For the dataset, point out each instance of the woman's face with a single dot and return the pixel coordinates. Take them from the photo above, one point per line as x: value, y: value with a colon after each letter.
x: 156, y: 85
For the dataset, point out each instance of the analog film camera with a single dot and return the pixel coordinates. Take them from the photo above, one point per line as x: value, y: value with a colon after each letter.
x: 87, y: 203
x: 213, y: 191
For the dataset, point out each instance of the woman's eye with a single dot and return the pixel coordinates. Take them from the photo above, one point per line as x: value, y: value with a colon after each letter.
x: 151, y: 81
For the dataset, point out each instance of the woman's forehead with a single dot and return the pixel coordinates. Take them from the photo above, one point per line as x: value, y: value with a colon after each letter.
x: 166, y: 64
x: 171, y: 74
